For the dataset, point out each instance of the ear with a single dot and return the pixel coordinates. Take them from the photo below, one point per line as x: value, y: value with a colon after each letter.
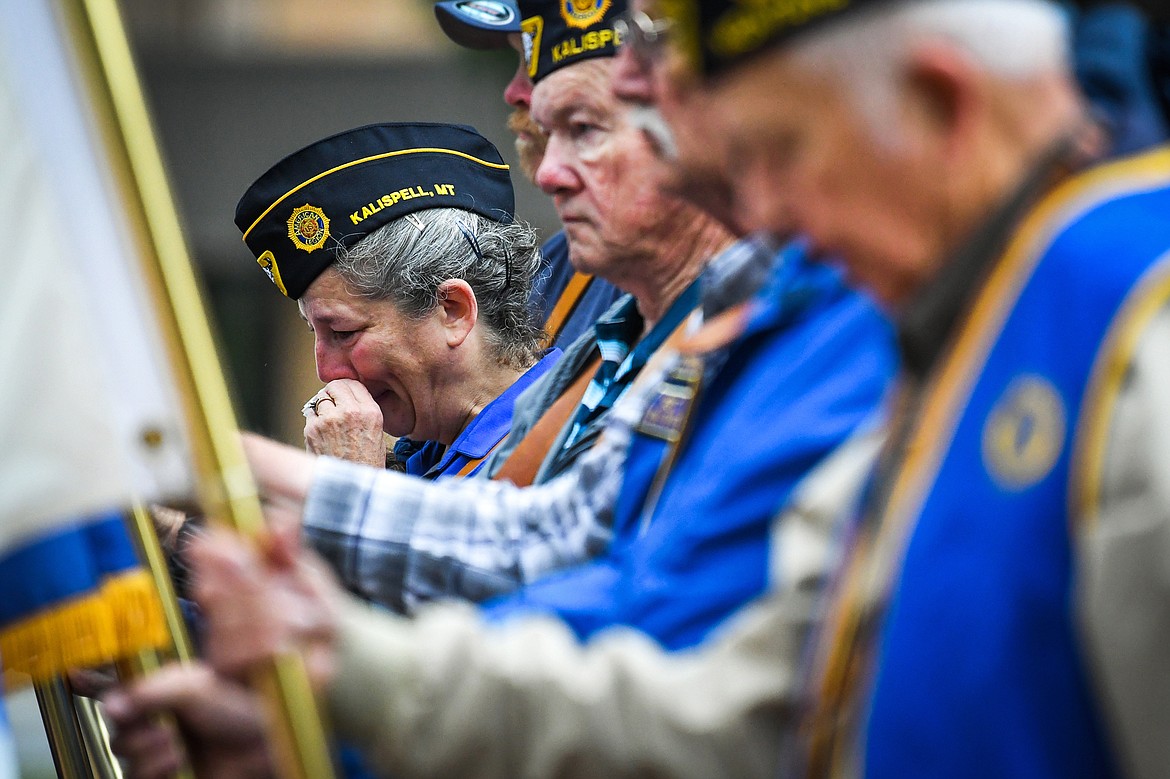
x: 458, y: 310
x: 944, y: 93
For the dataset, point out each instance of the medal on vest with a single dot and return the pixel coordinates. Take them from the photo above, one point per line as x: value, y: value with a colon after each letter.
x: 669, y: 407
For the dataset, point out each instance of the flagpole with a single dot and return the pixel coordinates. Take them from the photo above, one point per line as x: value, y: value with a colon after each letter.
x: 62, y: 729
x: 141, y: 527
x: 142, y: 530
x: 103, y: 763
x: 227, y: 492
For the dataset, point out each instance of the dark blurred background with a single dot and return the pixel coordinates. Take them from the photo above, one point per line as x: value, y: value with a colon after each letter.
x: 234, y: 85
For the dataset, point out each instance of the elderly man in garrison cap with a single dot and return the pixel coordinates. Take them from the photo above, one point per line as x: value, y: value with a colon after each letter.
x: 569, y: 301
x: 1004, y: 610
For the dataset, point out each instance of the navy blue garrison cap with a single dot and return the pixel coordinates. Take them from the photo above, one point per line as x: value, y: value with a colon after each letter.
x: 334, y: 192
x: 556, y: 33
x: 478, y: 24
x: 715, y: 35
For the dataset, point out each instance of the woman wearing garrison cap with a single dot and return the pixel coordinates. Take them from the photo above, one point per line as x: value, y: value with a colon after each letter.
x: 399, y: 245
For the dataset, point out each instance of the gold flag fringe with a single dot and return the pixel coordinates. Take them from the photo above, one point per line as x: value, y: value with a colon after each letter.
x: 121, y: 618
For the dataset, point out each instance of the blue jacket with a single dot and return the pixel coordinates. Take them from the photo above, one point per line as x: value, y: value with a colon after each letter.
x: 811, y: 365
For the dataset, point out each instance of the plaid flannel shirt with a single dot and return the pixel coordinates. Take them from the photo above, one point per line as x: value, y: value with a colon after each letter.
x: 401, y: 541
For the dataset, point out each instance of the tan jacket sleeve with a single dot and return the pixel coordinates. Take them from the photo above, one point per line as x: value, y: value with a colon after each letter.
x: 1124, y: 600
x: 444, y: 695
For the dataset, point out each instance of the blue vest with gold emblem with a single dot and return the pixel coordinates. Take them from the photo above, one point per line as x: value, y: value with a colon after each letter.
x: 979, y: 670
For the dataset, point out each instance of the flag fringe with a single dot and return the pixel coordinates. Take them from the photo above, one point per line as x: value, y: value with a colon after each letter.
x: 122, y: 617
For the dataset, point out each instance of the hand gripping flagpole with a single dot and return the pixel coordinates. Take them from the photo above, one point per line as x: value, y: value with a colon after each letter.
x: 227, y: 492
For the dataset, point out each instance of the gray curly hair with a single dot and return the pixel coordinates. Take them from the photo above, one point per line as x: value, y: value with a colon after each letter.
x: 406, y: 260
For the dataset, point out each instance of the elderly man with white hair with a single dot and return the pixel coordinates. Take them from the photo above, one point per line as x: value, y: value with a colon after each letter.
x: 1004, y: 609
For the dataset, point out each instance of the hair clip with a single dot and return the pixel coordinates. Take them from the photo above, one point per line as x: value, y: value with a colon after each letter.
x: 471, y: 239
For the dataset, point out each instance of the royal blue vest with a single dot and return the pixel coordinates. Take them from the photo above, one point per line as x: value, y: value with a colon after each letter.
x: 979, y: 670
x: 809, y: 368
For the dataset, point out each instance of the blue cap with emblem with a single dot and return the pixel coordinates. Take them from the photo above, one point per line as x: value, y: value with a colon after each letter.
x: 478, y: 24
x: 334, y: 192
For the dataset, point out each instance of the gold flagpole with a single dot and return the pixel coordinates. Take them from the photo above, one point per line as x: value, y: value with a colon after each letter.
x: 103, y: 764
x: 76, y: 733
x: 141, y: 526
x: 227, y: 493
x: 142, y: 530
x: 66, y: 742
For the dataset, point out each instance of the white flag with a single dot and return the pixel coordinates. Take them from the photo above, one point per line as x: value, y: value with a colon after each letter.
x: 89, y: 418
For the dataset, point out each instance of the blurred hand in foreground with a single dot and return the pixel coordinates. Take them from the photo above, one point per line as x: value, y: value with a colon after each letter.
x: 221, y: 722
x: 265, y: 599
x: 283, y: 475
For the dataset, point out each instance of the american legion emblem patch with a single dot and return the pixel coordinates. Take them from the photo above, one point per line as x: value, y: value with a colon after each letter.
x: 1024, y: 433
x: 308, y: 227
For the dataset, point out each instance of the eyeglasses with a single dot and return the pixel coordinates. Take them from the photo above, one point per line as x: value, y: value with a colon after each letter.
x: 644, y: 36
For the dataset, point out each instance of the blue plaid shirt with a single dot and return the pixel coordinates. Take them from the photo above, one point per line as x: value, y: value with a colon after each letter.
x: 623, y: 354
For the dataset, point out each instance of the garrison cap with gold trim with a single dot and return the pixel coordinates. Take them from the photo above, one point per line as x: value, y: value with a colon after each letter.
x: 336, y: 191
x: 556, y: 33
x: 717, y: 34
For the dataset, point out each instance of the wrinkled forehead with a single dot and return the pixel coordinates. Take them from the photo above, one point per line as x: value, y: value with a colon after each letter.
x: 772, y: 86
x: 583, y: 86
x: 763, y: 107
